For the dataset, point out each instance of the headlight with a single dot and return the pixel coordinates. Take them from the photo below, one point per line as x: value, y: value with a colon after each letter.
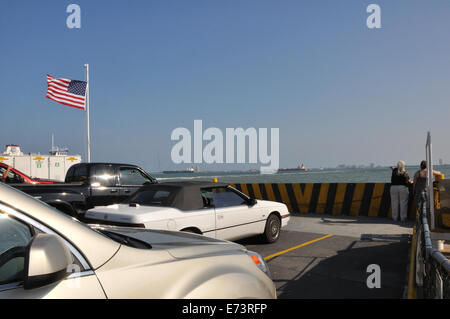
x: 259, y: 261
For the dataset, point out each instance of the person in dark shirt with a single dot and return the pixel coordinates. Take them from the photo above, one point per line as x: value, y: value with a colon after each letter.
x: 399, y: 191
x: 420, y: 182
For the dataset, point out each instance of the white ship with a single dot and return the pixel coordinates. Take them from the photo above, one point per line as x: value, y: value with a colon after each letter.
x: 189, y: 170
x: 301, y: 168
x: 52, y: 166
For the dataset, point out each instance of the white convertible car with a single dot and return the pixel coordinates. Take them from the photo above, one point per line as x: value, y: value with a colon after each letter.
x: 212, y: 209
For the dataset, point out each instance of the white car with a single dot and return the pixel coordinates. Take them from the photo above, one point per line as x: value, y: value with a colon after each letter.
x: 211, y: 209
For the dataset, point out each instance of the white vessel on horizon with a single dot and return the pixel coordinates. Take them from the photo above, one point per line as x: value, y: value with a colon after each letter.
x: 52, y: 166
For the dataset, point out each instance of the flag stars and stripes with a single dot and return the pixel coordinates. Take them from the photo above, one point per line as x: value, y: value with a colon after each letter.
x: 67, y: 92
x: 77, y: 87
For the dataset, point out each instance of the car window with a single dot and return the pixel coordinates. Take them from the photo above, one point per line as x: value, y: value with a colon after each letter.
x: 80, y: 174
x: 12, y: 177
x: 153, y: 197
x: 104, y: 174
x: 69, y: 174
x: 132, y: 176
x: 14, y: 238
x: 223, y: 197
x: 207, y: 198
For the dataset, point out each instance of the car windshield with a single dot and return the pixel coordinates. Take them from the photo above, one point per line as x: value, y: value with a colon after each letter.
x: 153, y: 197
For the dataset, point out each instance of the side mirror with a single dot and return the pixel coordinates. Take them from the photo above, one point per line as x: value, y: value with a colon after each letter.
x: 46, y: 261
x: 252, y: 201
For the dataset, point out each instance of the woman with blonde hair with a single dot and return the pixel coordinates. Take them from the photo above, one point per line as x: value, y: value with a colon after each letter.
x: 400, y: 191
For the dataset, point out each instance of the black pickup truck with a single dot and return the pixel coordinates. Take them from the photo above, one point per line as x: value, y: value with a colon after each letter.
x: 88, y: 185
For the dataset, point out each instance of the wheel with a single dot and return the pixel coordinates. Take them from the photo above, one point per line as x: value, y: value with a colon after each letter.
x: 273, y: 228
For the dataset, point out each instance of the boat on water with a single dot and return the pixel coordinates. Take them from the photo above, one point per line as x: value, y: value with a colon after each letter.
x: 190, y: 170
x: 300, y: 168
x: 53, y: 166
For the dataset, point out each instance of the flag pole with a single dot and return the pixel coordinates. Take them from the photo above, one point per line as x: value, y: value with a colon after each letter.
x: 87, y: 114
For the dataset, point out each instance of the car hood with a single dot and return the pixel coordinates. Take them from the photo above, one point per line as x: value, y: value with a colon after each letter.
x: 125, y: 213
x: 178, y: 244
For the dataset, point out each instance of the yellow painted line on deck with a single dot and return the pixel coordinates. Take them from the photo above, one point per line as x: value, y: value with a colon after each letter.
x: 296, y: 247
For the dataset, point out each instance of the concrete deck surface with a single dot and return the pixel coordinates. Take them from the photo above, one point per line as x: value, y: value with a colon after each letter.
x: 336, y: 267
x: 358, y: 226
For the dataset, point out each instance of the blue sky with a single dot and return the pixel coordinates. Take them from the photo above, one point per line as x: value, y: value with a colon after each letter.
x: 338, y: 91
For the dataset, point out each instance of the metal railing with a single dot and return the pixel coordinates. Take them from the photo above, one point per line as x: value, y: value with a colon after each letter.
x: 432, y: 267
x: 430, y: 178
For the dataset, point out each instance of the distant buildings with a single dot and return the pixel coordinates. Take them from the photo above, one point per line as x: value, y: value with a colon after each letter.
x: 354, y: 166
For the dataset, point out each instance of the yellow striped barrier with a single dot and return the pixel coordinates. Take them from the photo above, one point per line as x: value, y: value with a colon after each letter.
x: 352, y: 199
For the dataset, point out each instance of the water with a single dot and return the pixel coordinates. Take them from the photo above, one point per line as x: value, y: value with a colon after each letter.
x: 359, y: 175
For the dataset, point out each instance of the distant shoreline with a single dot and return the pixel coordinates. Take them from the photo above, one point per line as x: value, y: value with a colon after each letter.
x: 335, y: 175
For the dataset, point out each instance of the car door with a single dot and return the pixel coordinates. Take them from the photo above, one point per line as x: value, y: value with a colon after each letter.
x: 130, y: 180
x: 235, y: 218
x: 104, y: 185
x: 15, y: 236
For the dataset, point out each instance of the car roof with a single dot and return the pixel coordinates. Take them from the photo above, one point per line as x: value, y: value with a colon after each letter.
x: 103, y: 163
x: 186, y: 194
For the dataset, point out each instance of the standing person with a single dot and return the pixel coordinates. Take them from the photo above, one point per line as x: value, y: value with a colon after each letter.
x: 420, y: 182
x: 399, y: 191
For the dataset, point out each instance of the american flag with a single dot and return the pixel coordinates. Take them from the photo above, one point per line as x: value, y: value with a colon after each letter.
x: 66, y: 91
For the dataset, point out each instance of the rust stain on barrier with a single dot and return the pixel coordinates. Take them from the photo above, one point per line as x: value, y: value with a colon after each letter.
x: 322, y: 200
x: 376, y: 200
x: 339, y: 199
x: 284, y: 196
x: 269, y: 191
x: 256, y: 190
x: 244, y: 189
x: 357, y: 199
x: 303, y: 196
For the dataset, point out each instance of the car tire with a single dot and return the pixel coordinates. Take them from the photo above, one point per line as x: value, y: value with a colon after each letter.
x: 273, y: 228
